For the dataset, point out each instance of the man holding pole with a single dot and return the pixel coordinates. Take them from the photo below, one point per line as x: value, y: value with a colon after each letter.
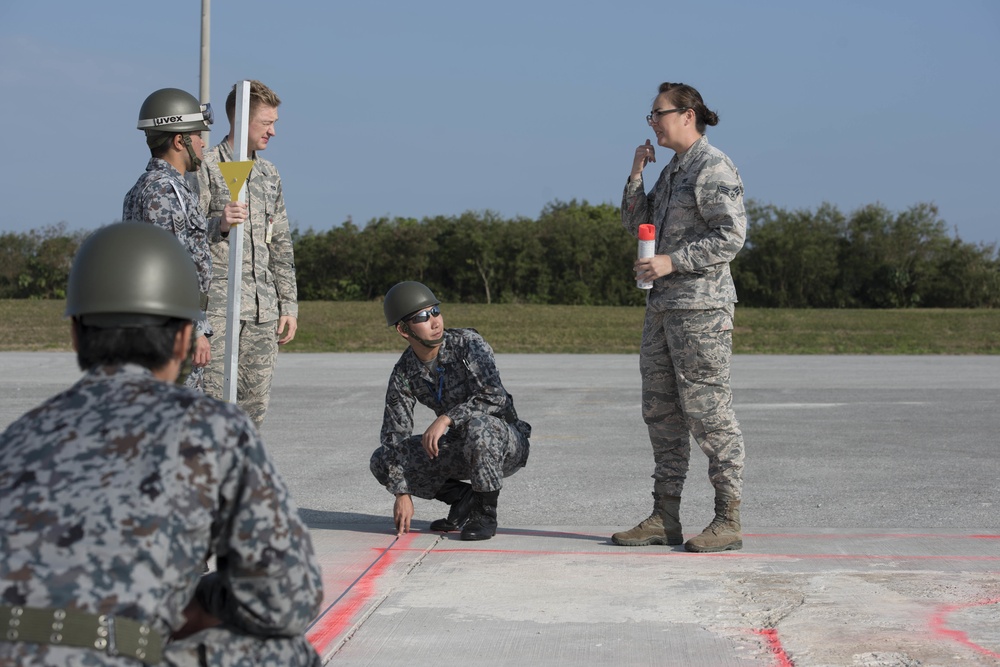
x: 268, y: 311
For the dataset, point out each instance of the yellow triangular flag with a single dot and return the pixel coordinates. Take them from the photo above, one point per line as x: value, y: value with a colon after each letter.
x: 236, y: 174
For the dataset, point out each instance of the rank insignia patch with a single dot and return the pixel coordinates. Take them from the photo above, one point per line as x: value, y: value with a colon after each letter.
x: 732, y: 193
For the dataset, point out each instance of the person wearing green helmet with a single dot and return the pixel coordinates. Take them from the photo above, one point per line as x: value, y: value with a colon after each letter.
x: 118, y: 487
x: 173, y: 121
x: 476, y: 435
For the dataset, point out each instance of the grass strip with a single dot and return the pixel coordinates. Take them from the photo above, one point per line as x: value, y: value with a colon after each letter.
x: 351, y: 326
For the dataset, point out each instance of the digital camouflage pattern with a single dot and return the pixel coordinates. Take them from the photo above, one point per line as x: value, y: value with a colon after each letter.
x: 162, y: 197
x: 113, y: 494
x: 269, y: 288
x: 486, y: 442
x: 697, y: 208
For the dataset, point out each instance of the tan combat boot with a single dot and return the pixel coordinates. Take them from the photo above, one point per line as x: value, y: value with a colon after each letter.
x: 724, y: 533
x: 662, y: 527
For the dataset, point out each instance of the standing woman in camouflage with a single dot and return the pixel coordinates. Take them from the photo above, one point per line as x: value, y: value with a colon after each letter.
x: 697, y: 208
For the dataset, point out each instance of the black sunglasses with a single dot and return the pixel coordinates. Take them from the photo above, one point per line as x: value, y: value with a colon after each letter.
x: 423, y: 315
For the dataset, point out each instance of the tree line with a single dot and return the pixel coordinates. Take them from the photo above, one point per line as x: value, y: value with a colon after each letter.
x: 577, y: 253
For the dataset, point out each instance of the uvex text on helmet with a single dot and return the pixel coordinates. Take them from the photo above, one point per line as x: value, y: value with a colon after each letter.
x: 174, y: 110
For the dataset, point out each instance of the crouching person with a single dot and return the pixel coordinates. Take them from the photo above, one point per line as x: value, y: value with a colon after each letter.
x: 115, y: 491
x: 476, y: 435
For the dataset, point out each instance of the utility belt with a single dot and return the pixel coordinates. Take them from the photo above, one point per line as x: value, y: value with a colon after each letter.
x: 114, y: 635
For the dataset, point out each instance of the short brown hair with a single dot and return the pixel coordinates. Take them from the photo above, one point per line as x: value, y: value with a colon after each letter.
x: 260, y: 95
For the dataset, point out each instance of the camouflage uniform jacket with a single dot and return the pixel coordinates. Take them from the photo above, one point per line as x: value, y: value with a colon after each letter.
x: 163, y: 197
x: 465, y: 384
x: 269, y: 289
x: 114, y: 492
x: 697, y: 208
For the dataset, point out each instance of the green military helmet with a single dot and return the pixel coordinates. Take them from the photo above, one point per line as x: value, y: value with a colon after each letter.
x: 405, y: 298
x: 132, y: 274
x: 174, y: 110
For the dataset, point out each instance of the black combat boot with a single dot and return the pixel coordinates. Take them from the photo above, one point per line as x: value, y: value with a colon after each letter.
x: 460, y: 496
x: 482, y: 524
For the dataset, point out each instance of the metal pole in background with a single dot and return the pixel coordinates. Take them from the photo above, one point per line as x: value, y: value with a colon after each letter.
x: 234, y: 300
x: 206, y: 52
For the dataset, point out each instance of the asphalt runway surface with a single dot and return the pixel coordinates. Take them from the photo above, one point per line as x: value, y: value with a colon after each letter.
x: 870, y: 518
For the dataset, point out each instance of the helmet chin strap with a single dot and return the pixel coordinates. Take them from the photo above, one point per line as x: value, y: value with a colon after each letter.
x: 195, y: 160
x: 426, y: 343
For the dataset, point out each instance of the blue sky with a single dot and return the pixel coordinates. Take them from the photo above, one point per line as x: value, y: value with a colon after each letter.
x: 433, y: 108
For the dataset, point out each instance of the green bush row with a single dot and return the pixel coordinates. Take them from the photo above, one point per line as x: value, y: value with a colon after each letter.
x: 577, y: 253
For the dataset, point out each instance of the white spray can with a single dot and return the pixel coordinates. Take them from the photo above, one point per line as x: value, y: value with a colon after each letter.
x: 647, y: 248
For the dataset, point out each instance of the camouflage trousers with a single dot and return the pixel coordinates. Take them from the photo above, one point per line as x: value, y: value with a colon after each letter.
x: 684, y: 362
x: 484, y: 451
x: 258, y: 353
x: 222, y: 647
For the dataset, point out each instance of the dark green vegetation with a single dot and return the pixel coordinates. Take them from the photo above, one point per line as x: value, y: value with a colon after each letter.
x: 355, y: 326
x: 578, y: 254
x: 810, y: 282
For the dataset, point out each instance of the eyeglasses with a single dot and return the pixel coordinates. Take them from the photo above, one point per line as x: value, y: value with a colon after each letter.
x: 424, y: 315
x: 660, y: 113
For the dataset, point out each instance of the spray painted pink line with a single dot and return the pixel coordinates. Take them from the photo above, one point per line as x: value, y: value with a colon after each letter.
x: 684, y: 554
x: 339, y: 616
x: 770, y: 636
x: 902, y: 536
x: 939, y: 620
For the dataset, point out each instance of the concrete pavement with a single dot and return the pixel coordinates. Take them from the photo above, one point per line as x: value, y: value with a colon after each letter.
x: 872, y: 535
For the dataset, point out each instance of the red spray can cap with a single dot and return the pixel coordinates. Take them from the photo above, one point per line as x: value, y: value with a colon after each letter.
x: 647, y: 232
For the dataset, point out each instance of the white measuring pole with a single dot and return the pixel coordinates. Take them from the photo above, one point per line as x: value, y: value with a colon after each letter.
x: 234, y: 299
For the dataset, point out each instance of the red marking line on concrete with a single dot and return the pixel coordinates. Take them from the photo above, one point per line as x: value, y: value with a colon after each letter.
x: 902, y: 536
x: 939, y: 619
x: 634, y: 551
x: 770, y: 636
x: 340, y: 614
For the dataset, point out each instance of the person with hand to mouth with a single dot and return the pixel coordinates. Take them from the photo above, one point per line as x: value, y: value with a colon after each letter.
x: 696, y: 206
